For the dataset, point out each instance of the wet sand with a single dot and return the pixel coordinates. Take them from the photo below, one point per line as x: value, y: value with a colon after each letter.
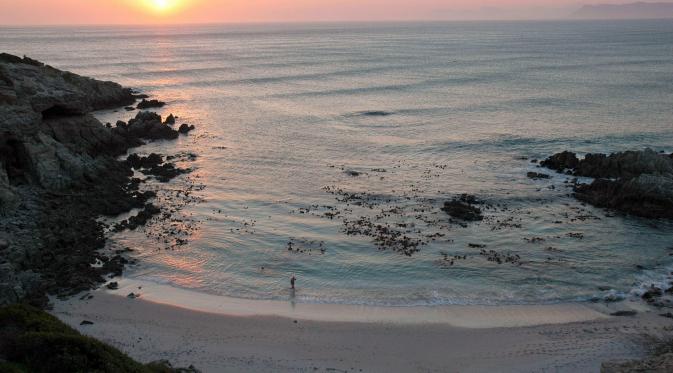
x: 371, y: 340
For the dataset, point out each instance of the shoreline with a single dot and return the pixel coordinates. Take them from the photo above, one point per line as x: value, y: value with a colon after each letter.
x: 149, y: 331
x: 465, y: 316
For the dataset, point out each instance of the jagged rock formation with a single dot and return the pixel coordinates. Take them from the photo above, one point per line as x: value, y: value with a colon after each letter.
x: 58, y: 174
x: 636, y: 182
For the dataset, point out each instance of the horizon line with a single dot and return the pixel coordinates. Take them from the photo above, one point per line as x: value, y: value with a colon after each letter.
x: 420, y: 20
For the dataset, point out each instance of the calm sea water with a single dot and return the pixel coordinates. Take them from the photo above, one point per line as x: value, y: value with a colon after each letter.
x: 280, y: 112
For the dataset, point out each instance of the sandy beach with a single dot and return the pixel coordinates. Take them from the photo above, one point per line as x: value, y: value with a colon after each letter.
x: 257, y: 341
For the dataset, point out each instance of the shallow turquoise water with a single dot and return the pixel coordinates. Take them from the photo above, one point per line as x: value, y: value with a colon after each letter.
x: 279, y: 111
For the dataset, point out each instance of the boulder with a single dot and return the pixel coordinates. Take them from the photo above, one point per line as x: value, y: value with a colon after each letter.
x: 561, y: 161
x: 186, y: 128
x: 170, y: 120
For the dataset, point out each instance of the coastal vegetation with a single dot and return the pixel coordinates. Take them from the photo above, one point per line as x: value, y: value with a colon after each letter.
x: 31, y: 340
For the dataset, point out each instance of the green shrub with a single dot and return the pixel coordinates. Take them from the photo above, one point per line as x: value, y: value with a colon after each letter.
x: 32, y: 340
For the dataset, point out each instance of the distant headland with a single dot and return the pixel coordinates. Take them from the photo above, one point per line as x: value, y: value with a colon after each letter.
x: 638, y: 10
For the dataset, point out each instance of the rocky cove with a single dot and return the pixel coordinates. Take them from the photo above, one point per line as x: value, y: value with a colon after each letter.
x: 62, y: 169
x: 61, y: 172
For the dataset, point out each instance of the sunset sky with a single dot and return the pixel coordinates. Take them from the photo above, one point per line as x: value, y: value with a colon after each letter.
x: 199, y: 11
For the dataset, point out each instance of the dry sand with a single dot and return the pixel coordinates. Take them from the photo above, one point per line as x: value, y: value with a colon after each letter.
x: 251, y: 342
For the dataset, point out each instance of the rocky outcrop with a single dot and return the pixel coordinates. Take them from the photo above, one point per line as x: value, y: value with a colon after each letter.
x: 154, y: 165
x: 148, y: 104
x: 624, y: 165
x: 635, y: 182
x: 59, y: 174
x: 146, y: 125
x: 54, y: 92
x: 649, y: 196
x: 561, y: 161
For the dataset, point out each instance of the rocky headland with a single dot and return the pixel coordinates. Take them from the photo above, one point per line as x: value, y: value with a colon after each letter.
x: 60, y: 172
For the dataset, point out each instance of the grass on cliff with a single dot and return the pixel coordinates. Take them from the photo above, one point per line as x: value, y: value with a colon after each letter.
x: 32, y: 340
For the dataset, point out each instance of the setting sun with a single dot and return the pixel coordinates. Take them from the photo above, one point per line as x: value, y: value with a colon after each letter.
x: 162, y: 5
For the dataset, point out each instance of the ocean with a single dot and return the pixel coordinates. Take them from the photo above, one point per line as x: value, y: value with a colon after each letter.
x: 312, y: 136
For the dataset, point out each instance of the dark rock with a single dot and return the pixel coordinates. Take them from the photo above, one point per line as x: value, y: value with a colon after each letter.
x: 634, y: 182
x: 651, y: 293
x: 147, y: 125
x: 113, y: 286
x: 376, y: 113
x: 138, y: 220
x: 649, y: 196
x: 148, y: 104
x: 561, y: 161
x: 352, y: 173
x: 186, y: 128
x: 625, y: 165
x: 129, y: 108
x: 463, y: 208
x: 624, y: 313
x: 86, y: 322
x: 138, y: 162
x: 170, y: 120
x: 154, y: 165
x: 60, y: 175
x: 535, y: 175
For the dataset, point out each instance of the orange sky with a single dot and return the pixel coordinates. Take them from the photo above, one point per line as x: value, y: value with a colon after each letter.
x: 197, y: 11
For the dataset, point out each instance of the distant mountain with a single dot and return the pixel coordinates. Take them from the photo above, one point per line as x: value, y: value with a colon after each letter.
x: 639, y: 10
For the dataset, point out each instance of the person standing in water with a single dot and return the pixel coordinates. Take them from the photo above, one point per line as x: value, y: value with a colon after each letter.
x: 292, y: 281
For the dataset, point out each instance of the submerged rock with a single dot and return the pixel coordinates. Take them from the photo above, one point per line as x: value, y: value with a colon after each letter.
x: 535, y: 175
x: 463, y: 208
x: 376, y: 113
x: 352, y: 173
x: 624, y: 313
x: 147, y: 213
